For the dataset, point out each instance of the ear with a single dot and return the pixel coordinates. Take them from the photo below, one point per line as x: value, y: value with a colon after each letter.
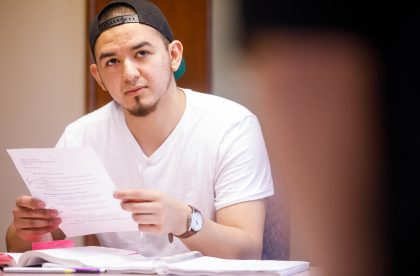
x: 95, y: 73
x: 175, y: 52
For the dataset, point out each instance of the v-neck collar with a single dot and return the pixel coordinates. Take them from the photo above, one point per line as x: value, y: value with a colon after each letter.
x: 165, y: 146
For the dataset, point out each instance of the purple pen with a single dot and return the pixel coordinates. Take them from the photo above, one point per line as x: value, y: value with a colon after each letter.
x: 88, y: 270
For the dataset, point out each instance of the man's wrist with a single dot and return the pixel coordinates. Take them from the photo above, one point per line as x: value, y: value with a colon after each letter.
x: 193, y: 225
x: 184, y: 220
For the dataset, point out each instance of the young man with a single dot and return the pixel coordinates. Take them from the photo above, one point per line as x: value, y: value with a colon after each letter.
x: 186, y: 164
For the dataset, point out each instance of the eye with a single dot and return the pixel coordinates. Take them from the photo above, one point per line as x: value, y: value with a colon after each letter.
x: 142, y: 53
x: 111, y: 62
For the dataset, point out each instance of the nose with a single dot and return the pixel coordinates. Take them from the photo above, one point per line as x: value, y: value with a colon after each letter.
x: 130, y: 71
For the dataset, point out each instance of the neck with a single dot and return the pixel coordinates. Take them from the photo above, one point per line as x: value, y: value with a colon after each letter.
x: 152, y: 130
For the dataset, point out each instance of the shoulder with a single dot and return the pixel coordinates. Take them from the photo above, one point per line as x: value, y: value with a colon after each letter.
x: 216, y: 106
x: 93, y: 128
x: 95, y: 118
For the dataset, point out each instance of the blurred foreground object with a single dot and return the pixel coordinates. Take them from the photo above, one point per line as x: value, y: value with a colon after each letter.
x: 335, y: 88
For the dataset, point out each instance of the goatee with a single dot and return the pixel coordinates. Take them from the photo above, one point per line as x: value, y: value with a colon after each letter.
x: 142, y: 110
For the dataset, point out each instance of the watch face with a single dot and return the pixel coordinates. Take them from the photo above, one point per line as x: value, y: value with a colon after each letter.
x: 196, y: 221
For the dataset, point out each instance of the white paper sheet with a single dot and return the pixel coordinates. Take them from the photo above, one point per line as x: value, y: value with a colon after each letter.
x: 74, y: 182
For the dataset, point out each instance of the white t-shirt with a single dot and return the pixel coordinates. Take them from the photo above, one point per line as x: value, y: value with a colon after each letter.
x: 215, y: 157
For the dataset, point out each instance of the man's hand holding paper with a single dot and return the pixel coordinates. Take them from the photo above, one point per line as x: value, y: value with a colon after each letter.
x: 70, y: 188
x: 32, y: 220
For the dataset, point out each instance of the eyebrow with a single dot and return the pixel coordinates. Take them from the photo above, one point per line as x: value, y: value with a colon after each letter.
x: 140, y: 45
x: 135, y: 47
x: 105, y: 55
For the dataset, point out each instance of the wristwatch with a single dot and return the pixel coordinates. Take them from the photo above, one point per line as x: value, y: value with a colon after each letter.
x: 194, y: 225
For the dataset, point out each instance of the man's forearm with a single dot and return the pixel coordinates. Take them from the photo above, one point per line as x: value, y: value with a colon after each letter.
x: 225, y: 242
x: 236, y: 234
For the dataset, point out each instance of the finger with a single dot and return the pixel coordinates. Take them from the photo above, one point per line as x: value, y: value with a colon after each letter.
x: 141, y: 207
x: 137, y: 195
x: 36, y: 223
x: 19, y: 212
x: 34, y: 234
x: 29, y: 202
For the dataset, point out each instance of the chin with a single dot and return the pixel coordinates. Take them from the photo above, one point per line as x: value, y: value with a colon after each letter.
x: 142, y: 110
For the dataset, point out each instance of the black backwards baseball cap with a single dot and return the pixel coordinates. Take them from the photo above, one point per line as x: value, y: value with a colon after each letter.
x: 146, y: 13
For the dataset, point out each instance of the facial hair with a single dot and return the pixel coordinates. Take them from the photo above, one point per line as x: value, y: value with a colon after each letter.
x: 142, y: 110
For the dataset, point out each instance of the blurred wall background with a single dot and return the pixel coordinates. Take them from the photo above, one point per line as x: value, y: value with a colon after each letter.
x: 42, y: 47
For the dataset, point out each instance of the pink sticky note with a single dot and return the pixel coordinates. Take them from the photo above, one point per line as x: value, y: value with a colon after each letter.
x: 52, y: 244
